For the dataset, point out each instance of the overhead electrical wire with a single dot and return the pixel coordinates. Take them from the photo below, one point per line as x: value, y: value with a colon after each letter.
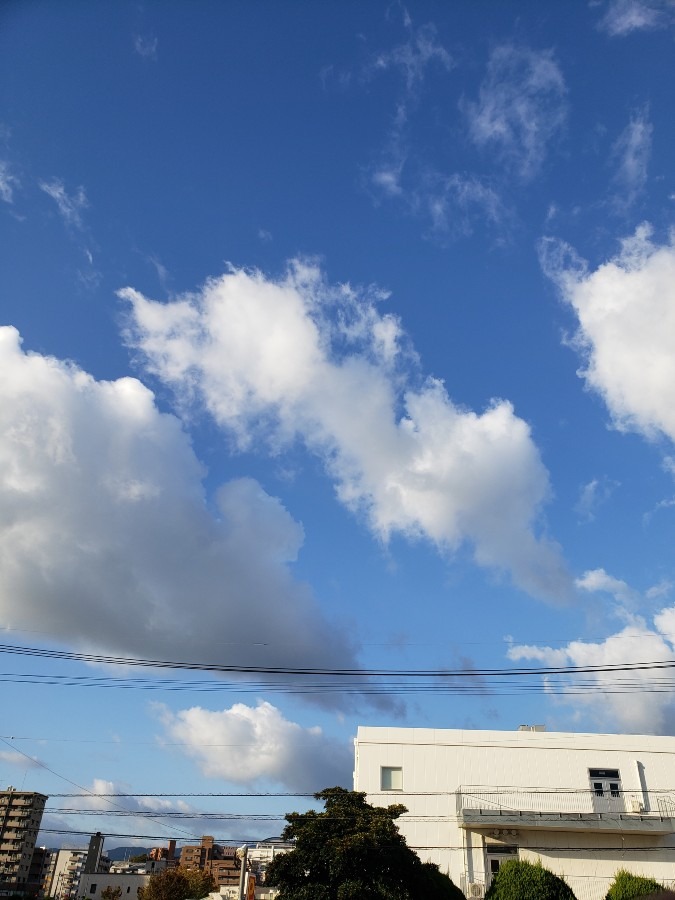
x: 619, y: 678
x: 49, y: 653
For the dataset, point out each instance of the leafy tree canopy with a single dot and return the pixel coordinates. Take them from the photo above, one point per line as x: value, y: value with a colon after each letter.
x: 111, y: 893
x: 517, y: 879
x: 178, y: 884
x: 626, y: 886
x: 353, y: 851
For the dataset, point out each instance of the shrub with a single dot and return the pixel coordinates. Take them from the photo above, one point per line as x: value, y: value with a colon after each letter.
x: 517, y: 880
x: 626, y: 886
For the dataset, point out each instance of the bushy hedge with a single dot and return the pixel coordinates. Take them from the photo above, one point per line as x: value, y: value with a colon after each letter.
x: 517, y: 880
x: 626, y: 886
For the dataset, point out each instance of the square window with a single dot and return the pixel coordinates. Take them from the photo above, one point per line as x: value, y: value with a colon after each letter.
x: 391, y: 778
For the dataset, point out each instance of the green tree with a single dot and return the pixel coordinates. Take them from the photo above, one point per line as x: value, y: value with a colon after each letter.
x: 178, y: 884
x: 140, y: 857
x: 111, y: 893
x: 517, y: 879
x: 200, y: 883
x: 353, y: 851
x: 626, y: 886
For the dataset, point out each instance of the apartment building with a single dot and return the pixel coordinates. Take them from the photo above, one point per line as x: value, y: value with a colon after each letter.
x: 584, y: 805
x: 20, y: 818
x: 221, y: 862
x: 66, y: 868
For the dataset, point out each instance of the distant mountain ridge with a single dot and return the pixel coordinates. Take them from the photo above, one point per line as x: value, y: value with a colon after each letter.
x: 121, y: 853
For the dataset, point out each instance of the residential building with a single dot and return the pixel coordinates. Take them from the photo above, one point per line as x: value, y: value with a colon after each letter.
x: 168, y: 853
x: 20, y: 818
x: 260, y: 856
x: 38, y: 870
x: 585, y: 805
x: 67, y: 867
x: 92, y: 885
x: 149, y: 867
x: 221, y: 862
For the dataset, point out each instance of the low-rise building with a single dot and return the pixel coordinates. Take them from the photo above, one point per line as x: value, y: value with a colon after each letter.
x: 92, y: 885
x: 585, y: 805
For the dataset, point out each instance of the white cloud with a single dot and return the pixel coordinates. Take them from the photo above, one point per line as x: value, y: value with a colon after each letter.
x: 70, y: 206
x: 639, y: 701
x: 146, y: 46
x: 20, y: 760
x: 246, y: 744
x: 389, y: 176
x: 273, y: 361
x: 412, y: 59
x: 598, y: 580
x: 175, y: 817
x: 626, y: 335
x: 625, y: 16
x: 454, y: 203
x: 631, y: 152
x: 8, y: 182
x: 107, y: 541
x: 521, y: 107
x: 593, y: 495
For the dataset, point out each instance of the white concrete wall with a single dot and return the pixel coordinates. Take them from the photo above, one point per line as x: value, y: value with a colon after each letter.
x: 437, y: 762
x: 91, y: 886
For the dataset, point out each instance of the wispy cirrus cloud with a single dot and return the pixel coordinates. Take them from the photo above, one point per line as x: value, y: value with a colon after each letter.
x: 521, y: 107
x: 456, y: 203
x: 8, y: 182
x: 623, y: 17
x: 70, y: 206
x: 630, y: 154
x: 412, y: 61
x: 146, y: 46
x: 273, y: 361
x: 593, y: 495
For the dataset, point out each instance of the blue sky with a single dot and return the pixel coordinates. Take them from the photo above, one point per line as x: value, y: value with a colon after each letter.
x: 334, y: 335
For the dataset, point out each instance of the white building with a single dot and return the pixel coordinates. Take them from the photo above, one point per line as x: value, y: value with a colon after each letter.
x: 92, y: 886
x: 584, y: 804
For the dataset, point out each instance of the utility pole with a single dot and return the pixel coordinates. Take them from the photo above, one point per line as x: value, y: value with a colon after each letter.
x: 242, y: 854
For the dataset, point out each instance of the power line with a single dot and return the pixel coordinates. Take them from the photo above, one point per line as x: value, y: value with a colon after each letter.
x: 48, y: 653
x: 87, y: 793
x: 249, y: 840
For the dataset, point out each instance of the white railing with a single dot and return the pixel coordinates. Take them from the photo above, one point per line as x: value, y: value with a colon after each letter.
x: 515, y: 800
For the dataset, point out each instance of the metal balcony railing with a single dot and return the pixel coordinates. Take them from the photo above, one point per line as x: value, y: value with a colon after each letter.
x: 575, y: 802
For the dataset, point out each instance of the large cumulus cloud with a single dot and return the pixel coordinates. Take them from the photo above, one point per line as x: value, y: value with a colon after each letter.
x: 107, y: 539
x: 298, y: 359
x: 251, y: 744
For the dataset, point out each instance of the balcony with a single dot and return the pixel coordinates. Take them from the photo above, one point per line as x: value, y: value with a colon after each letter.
x: 627, y: 812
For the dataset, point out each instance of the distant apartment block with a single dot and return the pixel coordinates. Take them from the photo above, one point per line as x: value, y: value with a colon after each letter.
x: 67, y: 867
x: 20, y: 818
x: 221, y: 862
